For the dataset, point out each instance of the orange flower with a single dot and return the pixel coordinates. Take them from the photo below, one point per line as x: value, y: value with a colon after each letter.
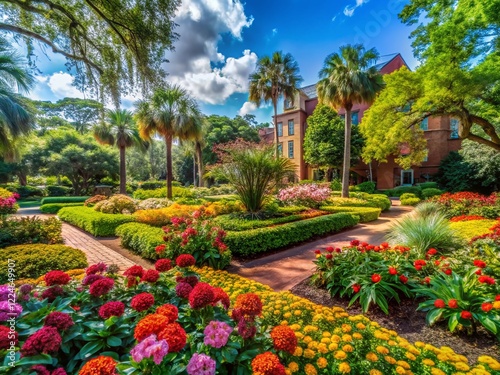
x: 101, y: 365
x: 169, y: 311
x: 149, y: 325
x: 284, y: 339
x: 267, y: 364
x: 175, y: 336
x: 248, y: 304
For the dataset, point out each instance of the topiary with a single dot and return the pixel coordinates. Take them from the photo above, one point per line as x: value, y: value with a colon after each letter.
x: 431, y: 192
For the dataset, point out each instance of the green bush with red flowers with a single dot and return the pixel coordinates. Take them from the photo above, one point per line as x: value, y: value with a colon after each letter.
x: 467, y: 203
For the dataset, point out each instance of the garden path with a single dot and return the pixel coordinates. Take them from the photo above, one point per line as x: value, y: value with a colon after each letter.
x: 285, y: 269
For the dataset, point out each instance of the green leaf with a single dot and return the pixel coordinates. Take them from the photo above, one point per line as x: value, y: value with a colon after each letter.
x: 114, y: 341
x: 433, y: 316
x: 89, y: 349
x: 453, y: 322
x: 42, y: 359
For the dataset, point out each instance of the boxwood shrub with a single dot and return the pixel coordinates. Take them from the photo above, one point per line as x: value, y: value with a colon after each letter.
x: 96, y: 223
x: 260, y: 240
x: 48, y: 200
x: 53, y: 208
x: 34, y: 260
x: 140, y: 238
x: 229, y: 222
x: 19, y: 230
x: 431, y: 192
x: 365, y: 214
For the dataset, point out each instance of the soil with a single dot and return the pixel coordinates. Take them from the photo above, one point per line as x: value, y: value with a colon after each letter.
x: 410, y: 324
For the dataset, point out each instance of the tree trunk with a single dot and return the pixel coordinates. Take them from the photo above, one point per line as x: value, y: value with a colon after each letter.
x: 168, y: 144
x: 123, y: 172
x: 23, y: 179
x: 194, y: 170
x: 275, y: 106
x: 347, y: 154
x: 201, y: 169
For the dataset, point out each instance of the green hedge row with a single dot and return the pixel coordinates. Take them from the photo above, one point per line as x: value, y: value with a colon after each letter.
x: 264, y: 239
x: 228, y: 222
x: 365, y: 214
x: 140, y: 238
x: 63, y: 200
x: 94, y: 222
x: 53, y: 208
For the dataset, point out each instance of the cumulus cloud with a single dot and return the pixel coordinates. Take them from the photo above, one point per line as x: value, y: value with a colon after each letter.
x: 61, y: 85
x: 349, y: 9
x: 196, y: 64
x: 247, y: 108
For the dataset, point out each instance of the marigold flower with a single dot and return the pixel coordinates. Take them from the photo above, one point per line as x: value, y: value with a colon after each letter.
x: 59, y: 320
x: 56, y: 278
x: 321, y: 362
x: 284, y: 339
x: 344, y: 368
x: 142, y: 301
x: 101, y: 365
x: 340, y: 355
x: 169, y: 311
x: 163, y: 265
x: 185, y: 260
x: 175, y: 336
x: 267, y: 364
x: 309, y: 369
x: 249, y: 304
x: 44, y: 341
x: 112, y: 308
x: 376, y: 278
x: 151, y: 324
x: 372, y: 357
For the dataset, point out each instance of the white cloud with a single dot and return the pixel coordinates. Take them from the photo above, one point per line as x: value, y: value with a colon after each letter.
x: 61, y: 85
x: 247, y: 108
x: 275, y: 31
x: 349, y: 9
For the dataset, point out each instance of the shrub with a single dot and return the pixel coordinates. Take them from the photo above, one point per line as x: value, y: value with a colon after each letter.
x: 31, y: 264
x: 95, y: 199
x: 58, y: 191
x: 53, y: 208
x: 431, y: 192
x: 8, y: 203
x: 140, y: 238
x: 63, y: 200
x: 28, y: 191
x: 256, y: 241
x: 428, y: 185
x: 466, y: 218
x: 117, y: 204
x: 152, y: 185
x: 96, y: 223
x: 410, y: 201
x: 309, y: 195
x: 232, y: 223
x: 177, y: 192
x: 365, y: 214
x: 153, y: 203
x: 162, y: 216
x: 469, y: 229
x: 336, y: 185
x: 467, y: 203
x: 398, y: 191
x: 366, y: 187
x: 23, y: 230
x: 374, y: 200
x: 223, y: 207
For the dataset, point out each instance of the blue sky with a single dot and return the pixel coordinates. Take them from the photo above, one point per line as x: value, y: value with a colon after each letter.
x: 222, y: 40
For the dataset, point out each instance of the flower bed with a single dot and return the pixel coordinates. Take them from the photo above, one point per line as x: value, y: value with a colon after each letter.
x: 472, y: 228
x: 19, y: 230
x: 8, y: 202
x: 467, y: 203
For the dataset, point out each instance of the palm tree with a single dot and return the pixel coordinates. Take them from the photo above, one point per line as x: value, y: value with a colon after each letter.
x: 15, y: 118
x: 171, y: 113
x: 273, y: 78
x: 348, y: 78
x: 121, y: 131
x: 195, y: 133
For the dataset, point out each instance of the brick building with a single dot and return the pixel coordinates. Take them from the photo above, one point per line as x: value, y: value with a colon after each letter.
x: 441, y: 134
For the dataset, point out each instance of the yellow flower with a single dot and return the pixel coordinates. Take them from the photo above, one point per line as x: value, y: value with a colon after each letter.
x: 390, y: 359
x: 308, y: 353
x: 299, y: 335
x: 287, y: 315
x: 461, y: 366
x: 419, y: 344
x: 297, y: 312
x: 392, y: 343
x: 382, y: 350
x: 344, y: 368
x: 410, y: 356
x: 322, y: 362
x: 361, y: 326
x: 400, y: 370
x: 428, y: 362
x: 347, y: 338
x: 357, y: 336
x: 496, y: 305
x: 333, y: 346
x: 340, y: 355
x: 313, y: 345
x: 322, y: 348
x: 310, y: 370
x: 375, y: 372
x: 494, y: 365
x: 413, y: 350
x: 298, y: 351
x: 325, y: 340
x: 436, y: 371
x: 307, y: 339
x: 295, y: 327
x: 293, y: 367
x: 336, y: 338
x: 346, y: 328
x: 372, y: 357
x: 348, y: 348
x: 326, y: 334
x: 403, y: 364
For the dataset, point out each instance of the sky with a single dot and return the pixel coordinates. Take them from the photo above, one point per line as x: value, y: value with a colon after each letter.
x: 221, y: 42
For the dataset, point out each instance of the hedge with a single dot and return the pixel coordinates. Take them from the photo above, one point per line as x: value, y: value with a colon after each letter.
x: 229, y: 222
x: 34, y: 260
x: 140, y: 238
x: 94, y: 222
x: 260, y: 240
x: 57, y: 191
x: 63, y: 200
x: 365, y: 214
x: 53, y: 208
x: 21, y: 230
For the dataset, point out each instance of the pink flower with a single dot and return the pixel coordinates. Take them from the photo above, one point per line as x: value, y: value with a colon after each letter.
x: 216, y: 334
x: 150, y: 347
x: 201, y: 364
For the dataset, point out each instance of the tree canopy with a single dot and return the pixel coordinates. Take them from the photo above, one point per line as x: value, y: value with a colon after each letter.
x: 113, y: 45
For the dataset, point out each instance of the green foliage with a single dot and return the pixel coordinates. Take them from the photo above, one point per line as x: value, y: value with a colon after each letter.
x: 96, y: 223
x: 177, y: 192
x: 255, y: 241
x: 410, y: 201
x: 472, y: 228
x: 27, y: 191
x: 324, y: 139
x: 30, y: 263
x: 140, y: 238
x: 359, y: 199
x: 428, y: 185
x: 336, y: 185
x: 234, y: 223
x: 30, y: 230
x: 57, y: 191
x: 398, y: 191
x: 431, y: 192
x: 53, y: 208
x: 366, y: 214
x: 366, y: 187
x: 117, y: 204
x: 63, y: 200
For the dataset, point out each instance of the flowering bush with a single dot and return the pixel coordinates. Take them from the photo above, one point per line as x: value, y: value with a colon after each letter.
x: 163, y: 216
x: 117, y: 204
x: 466, y: 218
x: 8, y: 203
x: 304, y: 195
x: 153, y: 203
x: 92, y: 201
x: 467, y: 203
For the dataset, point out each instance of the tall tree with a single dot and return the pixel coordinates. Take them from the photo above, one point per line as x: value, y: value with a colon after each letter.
x: 169, y: 112
x: 113, y: 45
x: 347, y: 78
x: 120, y: 130
x: 15, y: 118
x: 275, y: 77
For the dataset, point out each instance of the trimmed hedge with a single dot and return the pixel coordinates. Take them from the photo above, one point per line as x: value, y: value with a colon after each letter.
x: 229, y: 222
x: 431, y: 192
x: 140, y: 238
x: 34, y: 260
x: 256, y: 241
x: 53, y: 208
x: 58, y: 191
x: 96, y: 223
x: 63, y: 200
x: 365, y: 214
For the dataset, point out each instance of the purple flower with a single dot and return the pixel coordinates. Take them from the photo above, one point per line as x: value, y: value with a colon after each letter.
x: 25, y: 289
x: 217, y: 333
x: 150, y: 347
x: 9, y: 310
x: 201, y: 364
x: 4, y: 292
x: 89, y: 279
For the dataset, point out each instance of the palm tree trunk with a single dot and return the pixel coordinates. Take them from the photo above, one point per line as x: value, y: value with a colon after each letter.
x: 123, y: 172
x: 199, y: 155
x: 347, y: 155
x: 168, y: 144
x: 275, y: 106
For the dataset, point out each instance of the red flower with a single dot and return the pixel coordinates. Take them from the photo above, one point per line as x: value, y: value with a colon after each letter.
x: 160, y: 248
x: 249, y: 304
x: 448, y: 271
x: 356, y: 288
x: 452, y: 303
x: 479, y: 271
x: 191, y: 280
x: 486, y: 306
x: 40, y: 370
x: 202, y: 295
x: 135, y: 271
x: 419, y: 263
x: 284, y: 339
x: 432, y: 252
x: 175, y: 336
x: 437, y: 262
x: 183, y: 289
x: 267, y: 364
x: 101, y: 365
x: 384, y: 245
x: 96, y: 268
x: 376, y: 277
x: 427, y: 280
x: 317, y: 251
x: 59, y: 320
x: 56, y: 278
x: 151, y: 276
x: 497, y: 297
x: 330, y: 249
x: 44, y: 341
x: 439, y: 303
x: 328, y: 256
x: 403, y: 279
x: 185, y: 260
x: 393, y: 271
x: 112, y: 308
x: 101, y: 287
x: 59, y: 371
x: 90, y: 279
x: 4, y: 337
x: 163, y: 265
x: 151, y: 324
x: 479, y: 263
x: 354, y: 242
x: 169, y: 311
x: 132, y: 281
x: 466, y: 315
x: 222, y: 297
x: 142, y: 301
x: 486, y: 280
x: 53, y: 292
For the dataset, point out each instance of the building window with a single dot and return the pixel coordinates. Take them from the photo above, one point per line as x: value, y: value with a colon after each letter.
x: 280, y: 149
x: 291, y: 130
x: 280, y: 129
x: 426, y: 158
x: 454, y: 128
x: 355, y: 118
x: 290, y: 149
x: 288, y: 103
x: 424, y: 125
x: 407, y: 177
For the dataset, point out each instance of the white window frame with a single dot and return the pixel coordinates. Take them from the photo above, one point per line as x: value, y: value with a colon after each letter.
x: 412, y: 177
